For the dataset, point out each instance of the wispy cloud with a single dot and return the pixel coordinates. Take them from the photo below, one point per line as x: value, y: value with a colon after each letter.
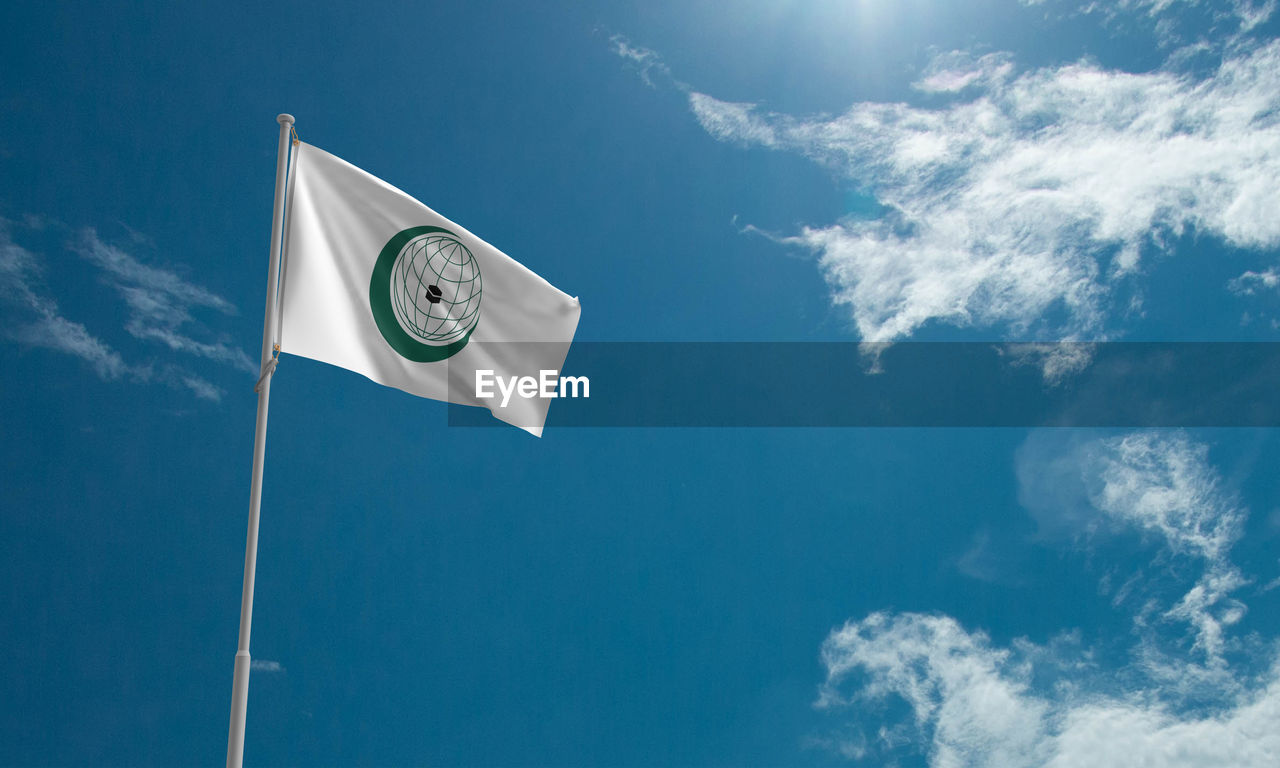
x: 1160, y: 485
x: 967, y: 699
x: 984, y: 561
x: 200, y: 387
x: 1251, y: 282
x: 19, y: 276
x: 958, y: 70
x: 161, y: 303
x: 160, y: 308
x: 266, y: 665
x: 973, y: 702
x: 647, y: 63
x: 1163, y: 485
x: 1166, y: 16
x: 1057, y: 362
x: 1026, y: 200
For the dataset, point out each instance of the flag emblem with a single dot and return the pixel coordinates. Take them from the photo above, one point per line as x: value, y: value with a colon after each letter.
x: 425, y: 293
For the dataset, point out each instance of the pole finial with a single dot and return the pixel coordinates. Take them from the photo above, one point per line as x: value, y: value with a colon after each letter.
x: 284, y: 118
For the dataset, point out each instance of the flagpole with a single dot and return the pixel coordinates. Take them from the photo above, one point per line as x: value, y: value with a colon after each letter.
x: 240, y: 684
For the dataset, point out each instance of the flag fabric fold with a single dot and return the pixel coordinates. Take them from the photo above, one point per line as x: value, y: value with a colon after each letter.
x: 378, y: 283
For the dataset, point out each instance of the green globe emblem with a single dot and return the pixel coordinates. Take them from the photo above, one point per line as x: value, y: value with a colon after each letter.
x: 435, y: 289
x: 425, y: 293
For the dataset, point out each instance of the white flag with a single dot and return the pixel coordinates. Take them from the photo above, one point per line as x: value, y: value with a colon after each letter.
x: 378, y: 283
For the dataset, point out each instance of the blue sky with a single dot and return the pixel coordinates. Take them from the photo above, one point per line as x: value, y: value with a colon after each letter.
x: 756, y: 171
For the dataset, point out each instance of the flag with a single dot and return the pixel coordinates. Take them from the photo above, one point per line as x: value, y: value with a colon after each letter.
x: 378, y: 283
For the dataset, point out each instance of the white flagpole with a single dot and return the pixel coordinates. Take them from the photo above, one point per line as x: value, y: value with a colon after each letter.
x: 240, y: 686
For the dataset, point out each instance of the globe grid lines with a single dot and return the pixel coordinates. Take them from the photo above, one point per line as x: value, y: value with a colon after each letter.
x: 409, y: 265
x: 455, y: 249
x: 386, y: 308
x: 432, y: 262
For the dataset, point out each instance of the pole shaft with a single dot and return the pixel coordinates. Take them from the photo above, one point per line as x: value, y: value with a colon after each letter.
x: 240, y: 683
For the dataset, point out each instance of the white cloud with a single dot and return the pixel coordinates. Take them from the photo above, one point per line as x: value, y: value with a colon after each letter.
x: 728, y: 121
x: 52, y: 331
x: 19, y: 272
x: 1253, y: 12
x: 1160, y: 485
x: 161, y: 303
x: 966, y: 698
x: 1057, y: 361
x: 201, y: 388
x: 156, y: 282
x: 646, y: 61
x: 1241, y: 15
x: 974, y: 704
x: 265, y: 665
x: 958, y: 70
x: 39, y: 322
x: 1250, y: 282
x: 1026, y: 200
x: 1180, y: 701
x: 979, y: 561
